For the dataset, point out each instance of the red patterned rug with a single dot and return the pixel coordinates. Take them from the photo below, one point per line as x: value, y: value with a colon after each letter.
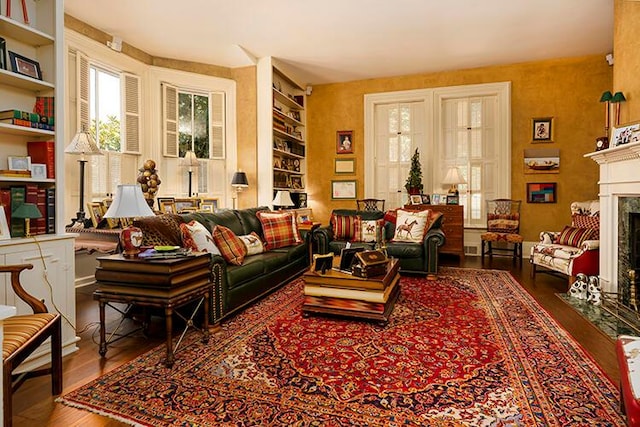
x: 469, y: 349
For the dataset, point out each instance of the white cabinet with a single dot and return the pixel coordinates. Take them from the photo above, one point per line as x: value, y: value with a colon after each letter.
x: 50, y: 280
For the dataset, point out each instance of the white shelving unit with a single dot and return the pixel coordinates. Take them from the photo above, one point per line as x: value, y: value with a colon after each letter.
x: 52, y: 278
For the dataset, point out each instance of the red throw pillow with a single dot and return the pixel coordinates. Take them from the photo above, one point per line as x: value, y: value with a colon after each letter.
x: 587, y: 221
x: 232, y: 249
x: 277, y: 230
x: 344, y: 226
x: 574, y: 236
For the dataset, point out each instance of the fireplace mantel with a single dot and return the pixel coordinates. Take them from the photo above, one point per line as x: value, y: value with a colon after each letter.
x: 616, y: 154
x: 619, y: 177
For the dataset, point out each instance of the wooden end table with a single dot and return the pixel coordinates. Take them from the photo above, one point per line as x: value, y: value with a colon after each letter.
x: 169, y: 284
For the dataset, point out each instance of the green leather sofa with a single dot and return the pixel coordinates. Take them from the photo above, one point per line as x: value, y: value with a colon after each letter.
x: 236, y: 286
x: 420, y: 258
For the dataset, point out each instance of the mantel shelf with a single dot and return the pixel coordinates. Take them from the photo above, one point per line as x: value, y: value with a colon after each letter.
x: 616, y: 154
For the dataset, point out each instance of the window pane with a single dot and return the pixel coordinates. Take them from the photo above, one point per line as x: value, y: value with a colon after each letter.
x: 405, y: 117
x: 393, y: 149
x: 185, y: 123
x: 201, y: 126
x: 393, y: 120
x: 104, y: 96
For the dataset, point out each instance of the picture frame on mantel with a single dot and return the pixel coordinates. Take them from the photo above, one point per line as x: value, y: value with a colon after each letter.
x: 626, y: 134
x: 542, y: 129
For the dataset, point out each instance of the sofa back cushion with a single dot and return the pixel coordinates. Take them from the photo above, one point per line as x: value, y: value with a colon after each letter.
x: 574, y: 236
x: 249, y: 219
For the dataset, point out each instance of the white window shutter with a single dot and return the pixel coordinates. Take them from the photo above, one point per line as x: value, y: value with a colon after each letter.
x: 170, y: 120
x: 217, y: 134
x: 82, y: 69
x: 131, y: 101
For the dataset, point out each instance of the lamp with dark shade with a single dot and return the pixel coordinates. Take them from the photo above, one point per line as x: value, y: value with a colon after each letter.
x: 239, y: 182
x: 282, y: 199
x: 27, y: 211
x: 82, y: 144
x: 129, y: 203
x: 606, y: 98
x: 618, y: 98
x: 190, y: 160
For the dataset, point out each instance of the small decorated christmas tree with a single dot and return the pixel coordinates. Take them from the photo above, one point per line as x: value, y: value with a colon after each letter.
x: 414, y: 180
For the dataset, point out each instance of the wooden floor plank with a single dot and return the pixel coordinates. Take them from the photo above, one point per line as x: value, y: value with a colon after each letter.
x: 33, y: 404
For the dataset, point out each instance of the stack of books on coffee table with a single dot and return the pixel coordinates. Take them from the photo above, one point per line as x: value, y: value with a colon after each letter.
x: 339, y: 293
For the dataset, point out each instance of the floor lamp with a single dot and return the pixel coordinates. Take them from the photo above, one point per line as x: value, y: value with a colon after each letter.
x: 191, y: 161
x: 239, y: 182
x: 82, y: 144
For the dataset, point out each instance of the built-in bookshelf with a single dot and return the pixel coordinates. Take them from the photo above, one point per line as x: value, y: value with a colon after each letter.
x: 282, y: 136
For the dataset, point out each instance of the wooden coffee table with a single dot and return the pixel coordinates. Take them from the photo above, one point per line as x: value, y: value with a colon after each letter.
x: 344, y: 294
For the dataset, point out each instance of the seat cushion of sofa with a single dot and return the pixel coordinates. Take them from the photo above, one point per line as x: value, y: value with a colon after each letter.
x: 252, y: 267
x: 404, y: 250
x: 294, y: 252
x: 556, y: 251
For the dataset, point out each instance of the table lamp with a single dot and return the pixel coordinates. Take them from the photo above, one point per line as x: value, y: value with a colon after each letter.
x: 190, y: 161
x: 82, y: 144
x: 26, y: 211
x: 239, y: 182
x: 129, y: 203
x: 282, y: 199
x: 453, y: 178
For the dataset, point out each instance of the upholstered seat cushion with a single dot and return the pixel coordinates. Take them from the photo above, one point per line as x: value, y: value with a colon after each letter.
x: 501, y: 237
x: 20, y: 329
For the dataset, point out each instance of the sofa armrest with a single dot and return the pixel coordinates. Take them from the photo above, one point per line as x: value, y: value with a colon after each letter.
x: 590, y: 245
x: 432, y: 241
x: 219, y: 283
x: 323, y: 236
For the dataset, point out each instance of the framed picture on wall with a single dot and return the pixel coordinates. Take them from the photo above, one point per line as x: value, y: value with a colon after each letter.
x: 541, y: 192
x: 542, y: 129
x: 343, y: 189
x: 344, y: 142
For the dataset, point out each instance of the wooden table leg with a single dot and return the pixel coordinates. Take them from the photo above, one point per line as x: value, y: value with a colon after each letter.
x: 168, y: 313
x: 103, y: 340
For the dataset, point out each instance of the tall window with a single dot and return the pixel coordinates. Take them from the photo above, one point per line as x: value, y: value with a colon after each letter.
x: 105, y: 126
x: 193, y: 124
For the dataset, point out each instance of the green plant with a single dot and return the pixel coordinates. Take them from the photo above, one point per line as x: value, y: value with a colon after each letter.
x: 414, y: 180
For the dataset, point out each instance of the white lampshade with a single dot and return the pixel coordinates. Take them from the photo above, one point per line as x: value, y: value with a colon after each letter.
x: 190, y: 160
x: 128, y: 203
x: 283, y: 198
x: 453, y: 177
x: 83, y: 144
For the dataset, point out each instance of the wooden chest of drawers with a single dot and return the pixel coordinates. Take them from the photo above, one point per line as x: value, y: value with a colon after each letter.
x: 452, y: 226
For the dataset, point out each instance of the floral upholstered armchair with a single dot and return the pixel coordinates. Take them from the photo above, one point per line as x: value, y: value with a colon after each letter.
x: 576, y: 249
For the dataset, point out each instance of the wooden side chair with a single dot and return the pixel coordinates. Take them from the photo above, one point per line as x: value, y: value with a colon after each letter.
x: 370, y: 205
x: 23, y: 334
x: 503, y: 225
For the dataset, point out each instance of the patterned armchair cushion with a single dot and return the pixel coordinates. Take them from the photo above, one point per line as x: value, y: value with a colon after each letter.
x: 503, y: 223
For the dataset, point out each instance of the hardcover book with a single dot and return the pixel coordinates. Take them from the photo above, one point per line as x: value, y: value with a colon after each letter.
x: 43, y: 152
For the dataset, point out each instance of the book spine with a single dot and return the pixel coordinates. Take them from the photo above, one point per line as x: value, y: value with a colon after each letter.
x: 43, y: 152
x: 370, y: 296
x: 5, y: 201
x: 18, y: 197
x: 40, y: 224
x: 50, y: 200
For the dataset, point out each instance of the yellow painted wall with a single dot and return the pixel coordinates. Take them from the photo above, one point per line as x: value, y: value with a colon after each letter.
x: 626, y: 54
x: 566, y: 89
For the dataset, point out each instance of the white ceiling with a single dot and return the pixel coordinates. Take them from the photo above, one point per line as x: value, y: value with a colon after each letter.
x: 342, y: 40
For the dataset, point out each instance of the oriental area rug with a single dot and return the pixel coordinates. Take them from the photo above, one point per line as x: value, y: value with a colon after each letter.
x: 471, y: 348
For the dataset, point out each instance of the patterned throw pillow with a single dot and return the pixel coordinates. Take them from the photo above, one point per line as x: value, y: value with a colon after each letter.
x: 160, y: 230
x: 587, y: 221
x: 196, y: 237
x: 344, y: 226
x: 253, y: 243
x: 411, y: 226
x: 574, y: 236
x: 231, y: 247
x: 294, y: 222
x: 369, y: 230
x: 277, y: 230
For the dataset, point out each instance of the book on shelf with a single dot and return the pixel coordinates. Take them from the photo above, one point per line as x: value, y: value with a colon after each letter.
x: 18, y: 114
x: 5, y: 201
x: 43, y: 152
x: 27, y: 123
x: 370, y: 295
x: 40, y: 224
x: 50, y: 200
x: 18, y: 197
x: 45, y: 106
x: 16, y: 174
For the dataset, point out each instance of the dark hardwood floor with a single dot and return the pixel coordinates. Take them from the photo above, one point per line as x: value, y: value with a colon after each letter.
x: 34, y: 406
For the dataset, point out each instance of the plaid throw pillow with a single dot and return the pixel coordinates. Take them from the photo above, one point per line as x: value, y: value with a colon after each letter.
x: 277, y: 230
x: 344, y: 226
x: 587, y: 221
x: 232, y: 249
x: 574, y: 236
x: 294, y: 223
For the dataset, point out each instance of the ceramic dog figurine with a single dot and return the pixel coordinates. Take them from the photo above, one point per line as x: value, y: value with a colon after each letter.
x: 579, y: 287
x: 594, y: 293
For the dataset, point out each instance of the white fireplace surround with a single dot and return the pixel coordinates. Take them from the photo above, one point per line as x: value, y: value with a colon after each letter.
x: 619, y: 177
